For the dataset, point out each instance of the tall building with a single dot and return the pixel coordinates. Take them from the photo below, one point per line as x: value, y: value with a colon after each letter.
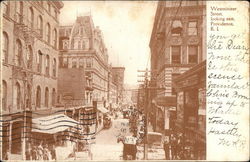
x: 82, y: 46
x: 29, y: 65
x: 118, y: 78
x: 177, y: 44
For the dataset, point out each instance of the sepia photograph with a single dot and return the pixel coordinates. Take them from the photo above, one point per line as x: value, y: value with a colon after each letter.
x: 103, y: 80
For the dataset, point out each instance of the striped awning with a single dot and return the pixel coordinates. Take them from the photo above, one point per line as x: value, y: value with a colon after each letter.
x: 53, y: 124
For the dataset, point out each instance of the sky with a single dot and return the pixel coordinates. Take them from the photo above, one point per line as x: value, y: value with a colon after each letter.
x: 126, y: 27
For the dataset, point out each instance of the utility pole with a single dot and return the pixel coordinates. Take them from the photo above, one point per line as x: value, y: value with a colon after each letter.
x: 147, y: 102
x: 146, y: 114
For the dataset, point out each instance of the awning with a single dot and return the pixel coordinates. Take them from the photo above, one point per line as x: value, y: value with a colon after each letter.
x: 166, y: 101
x: 102, y: 109
x: 52, y: 124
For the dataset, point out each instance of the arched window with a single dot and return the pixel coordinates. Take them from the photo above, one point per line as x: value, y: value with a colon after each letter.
x: 19, y: 53
x: 54, y: 67
x: 28, y: 97
x: 5, y: 45
x: 47, y: 64
x: 48, y: 32
x: 53, y: 97
x: 48, y: 7
x: 17, y: 96
x: 39, y: 61
x: 19, y: 11
x: 29, y: 57
x: 40, y: 25
x: 31, y: 18
x: 4, y: 95
x: 6, y: 7
x: 46, y: 97
x: 55, y: 38
x: 38, y: 97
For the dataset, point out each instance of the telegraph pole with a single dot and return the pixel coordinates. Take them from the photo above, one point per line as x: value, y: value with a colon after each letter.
x: 146, y: 114
x: 147, y: 101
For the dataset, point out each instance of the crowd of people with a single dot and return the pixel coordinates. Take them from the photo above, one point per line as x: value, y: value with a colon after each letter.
x: 175, y: 149
x: 41, y: 152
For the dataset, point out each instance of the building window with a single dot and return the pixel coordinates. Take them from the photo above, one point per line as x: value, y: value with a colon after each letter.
x: 74, y: 62
x: 48, y: 7
x: 192, y: 54
x: 65, y: 44
x: 65, y: 62
x: 173, y: 77
x: 17, y: 96
x: 176, y: 28
x: 79, y: 44
x: 48, y: 32
x: 29, y: 57
x: 81, y: 63
x: 19, y: 53
x: 176, y: 54
x: 55, y: 38
x: 46, y: 97
x: 31, y: 18
x: 38, y: 97
x: 4, y: 95
x: 83, y: 45
x: 55, y: 13
x: 53, y: 97
x: 19, y: 11
x: 6, y: 8
x: 28, y: 97
x: 47, y: 64
x: 5, y: 45
x: 192, y: 28
x: 39, y: 61
x: 40, y: 25
x: 88, y: 62
x: 54, y: 67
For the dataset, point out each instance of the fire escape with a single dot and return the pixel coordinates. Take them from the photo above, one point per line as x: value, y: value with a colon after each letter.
x: 22, y: 70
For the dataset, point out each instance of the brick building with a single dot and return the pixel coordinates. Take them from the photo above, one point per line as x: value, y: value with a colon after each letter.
x: 29, y: 64
x: 177, y: 44
x: 82, y: 46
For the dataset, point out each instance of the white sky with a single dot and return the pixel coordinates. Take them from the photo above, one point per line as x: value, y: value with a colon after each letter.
x: 126, y: 26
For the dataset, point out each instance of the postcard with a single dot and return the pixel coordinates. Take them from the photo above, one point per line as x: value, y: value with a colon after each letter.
x: 124, y: 80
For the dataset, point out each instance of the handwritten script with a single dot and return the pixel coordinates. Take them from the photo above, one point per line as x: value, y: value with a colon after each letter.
x: 227, y: 79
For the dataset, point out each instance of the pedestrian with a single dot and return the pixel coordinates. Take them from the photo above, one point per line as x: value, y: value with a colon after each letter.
x: 134, y: 152
x: 173, y: 144
x: 166, y: 148
x: 179, y: 147
x: 40, y: 151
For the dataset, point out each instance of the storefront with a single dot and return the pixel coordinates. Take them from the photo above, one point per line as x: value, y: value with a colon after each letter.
x: 15, y: 134
x: 191, y: 108
x: 165, y: 109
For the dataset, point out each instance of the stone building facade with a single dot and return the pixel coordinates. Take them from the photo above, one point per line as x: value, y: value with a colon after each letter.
x: 29, y: 62
x: 118, y: 79
x: 177, y: 44
x: 82, y: 46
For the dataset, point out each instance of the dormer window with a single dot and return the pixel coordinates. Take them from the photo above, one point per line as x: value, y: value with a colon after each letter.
x: 176, y: 28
